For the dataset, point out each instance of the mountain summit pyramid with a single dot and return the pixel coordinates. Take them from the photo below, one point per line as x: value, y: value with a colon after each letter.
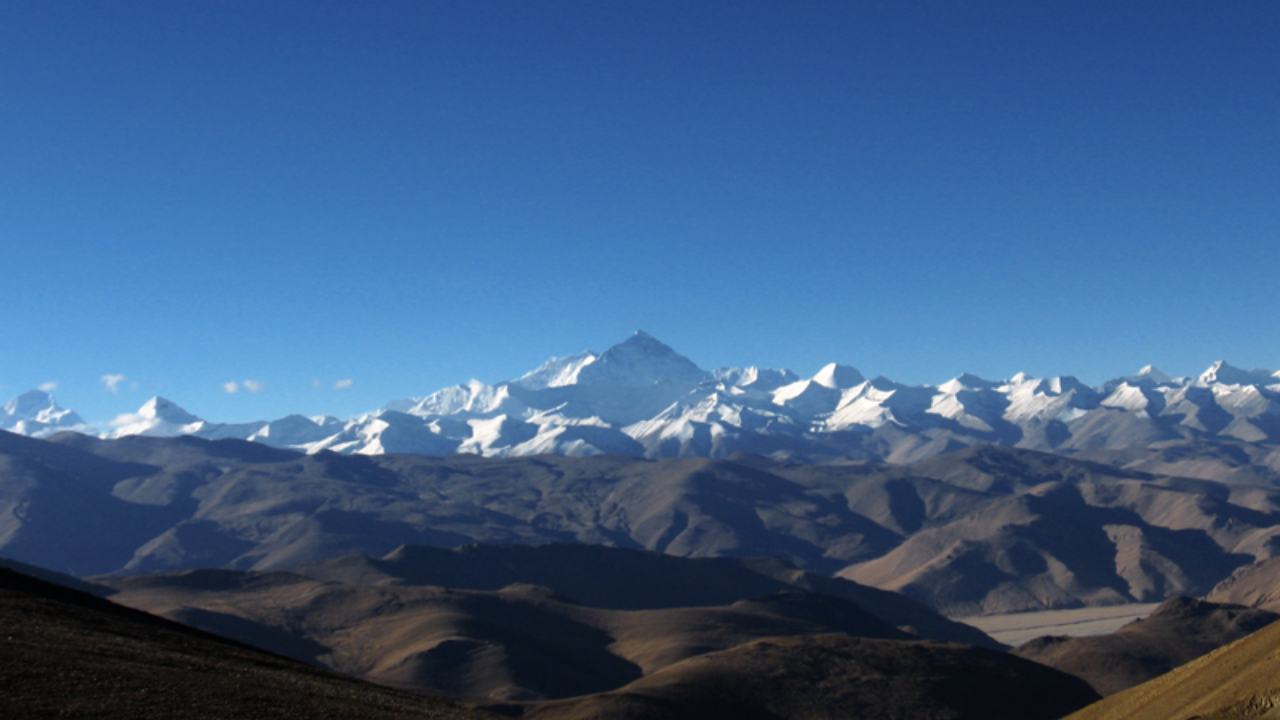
x: 639, y: 361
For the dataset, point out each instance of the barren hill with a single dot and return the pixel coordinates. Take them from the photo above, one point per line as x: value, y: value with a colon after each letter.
x: 1238, y: 682
x: 70, y: 654
x: 1179, y: 631
x: 622, y: 579
x: 834, y: 676
x: 520, y: 642
x: 983, y: 530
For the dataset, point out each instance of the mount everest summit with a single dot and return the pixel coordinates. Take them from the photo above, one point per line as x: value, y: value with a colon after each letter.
x: 642, y: 398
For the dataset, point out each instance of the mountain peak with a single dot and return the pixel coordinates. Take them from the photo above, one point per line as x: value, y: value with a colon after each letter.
x: 1151, y: 372
x: 838, y: 377
x: 36, y: 412
x: 164, y: 409
x: 1222, y: 372
x: 28, y: 404
x: 641, y: 360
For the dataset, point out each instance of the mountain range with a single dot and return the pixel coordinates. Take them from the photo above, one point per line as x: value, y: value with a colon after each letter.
x: 641, y: 398
x: 984, y: 530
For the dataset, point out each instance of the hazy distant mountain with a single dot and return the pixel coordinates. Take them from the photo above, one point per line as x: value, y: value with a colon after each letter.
x: 642, y: 398
x: 983, y: 530
x: 36, y: 413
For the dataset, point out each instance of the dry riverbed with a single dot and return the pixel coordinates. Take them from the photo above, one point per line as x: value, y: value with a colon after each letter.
x: 1017, y: 628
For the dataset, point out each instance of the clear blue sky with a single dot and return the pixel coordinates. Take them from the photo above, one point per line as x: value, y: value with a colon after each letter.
x: 407, y: 195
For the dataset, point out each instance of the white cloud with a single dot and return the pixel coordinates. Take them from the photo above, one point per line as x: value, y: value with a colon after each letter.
x: 343, y: 384
x: 316, y: 383
x: 49, y: 387
x: 231, y: 387
x: 253, y: 386
x: 112, y: 382
x: 128, y: 419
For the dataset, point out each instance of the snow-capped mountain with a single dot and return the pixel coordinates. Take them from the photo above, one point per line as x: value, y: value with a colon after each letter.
x: 642, y: 398
x: 36, y: 413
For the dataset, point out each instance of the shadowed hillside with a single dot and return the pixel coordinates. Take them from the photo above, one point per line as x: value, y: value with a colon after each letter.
x: 523, y: 642
x: 616, y: 578
x: 834, y: 676
x: 69, y: 654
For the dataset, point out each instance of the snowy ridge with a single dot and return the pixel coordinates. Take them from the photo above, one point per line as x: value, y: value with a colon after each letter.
x: 642, y: 398
x: 37, y: 414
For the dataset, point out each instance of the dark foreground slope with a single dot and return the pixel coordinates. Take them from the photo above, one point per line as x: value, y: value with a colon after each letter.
x: 68, y: 654
x: 1179, y: 631
x: 835, y: 676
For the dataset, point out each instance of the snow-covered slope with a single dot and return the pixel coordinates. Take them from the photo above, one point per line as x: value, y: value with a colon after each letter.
x: 36, y: 413
x: 640, y: 397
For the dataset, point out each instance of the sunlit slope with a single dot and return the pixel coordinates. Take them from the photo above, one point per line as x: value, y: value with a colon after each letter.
x: 1237, y: 682
x: 1179, y: 631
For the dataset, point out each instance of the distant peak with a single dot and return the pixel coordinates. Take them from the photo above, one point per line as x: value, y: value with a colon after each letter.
x: 641, y: 341
x: 39, y: 406
x: 839, y: 377
x: 641, y: 360
x: 1153, y: 373
x: 165, y: 409
x: 966, y: 381
x: 1227, y: 374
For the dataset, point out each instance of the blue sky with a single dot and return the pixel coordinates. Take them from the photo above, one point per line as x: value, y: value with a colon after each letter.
x: 407, y: 195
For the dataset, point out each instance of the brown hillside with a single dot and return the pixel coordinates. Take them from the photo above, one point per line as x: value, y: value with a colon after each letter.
x: 1179, y: 631
x: 519, y: 643
x: 1256, y: 585
x: 67, y: 654
x: 835, y: 676
x: 1236, y: 682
